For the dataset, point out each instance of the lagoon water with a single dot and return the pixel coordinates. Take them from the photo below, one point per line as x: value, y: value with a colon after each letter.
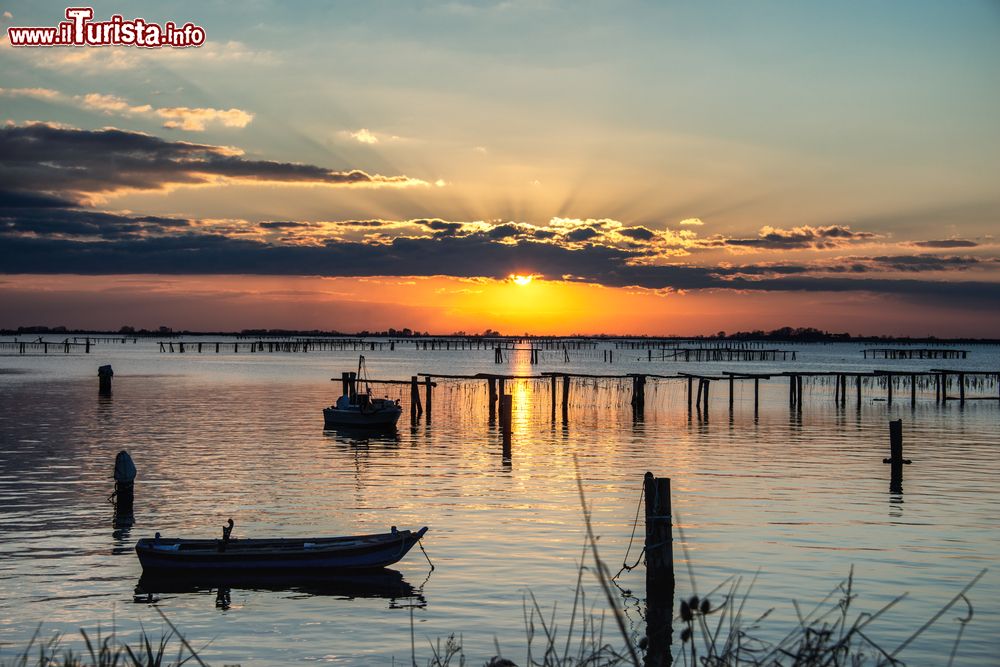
x: 795, y: 498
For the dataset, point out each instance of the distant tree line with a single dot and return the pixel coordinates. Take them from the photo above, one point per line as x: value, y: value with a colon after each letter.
x: 787, y: 334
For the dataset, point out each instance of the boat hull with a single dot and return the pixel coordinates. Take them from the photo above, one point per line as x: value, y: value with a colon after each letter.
x: 342, y: 554
x: 385, y: 418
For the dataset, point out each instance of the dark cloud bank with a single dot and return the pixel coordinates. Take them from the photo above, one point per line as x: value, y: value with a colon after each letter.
x: 46, y: 173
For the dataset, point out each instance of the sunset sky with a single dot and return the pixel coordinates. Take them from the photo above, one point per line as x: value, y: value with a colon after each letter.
x: 655, y: 168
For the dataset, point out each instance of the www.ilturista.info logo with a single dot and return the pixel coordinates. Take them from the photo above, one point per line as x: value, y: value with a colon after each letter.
x: 79, y: 30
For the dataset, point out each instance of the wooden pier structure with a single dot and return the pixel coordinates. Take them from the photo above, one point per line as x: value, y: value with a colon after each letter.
x: 915, y: 353
x: 721, y: 354
x: 882, y: 385
x: 68, y: 345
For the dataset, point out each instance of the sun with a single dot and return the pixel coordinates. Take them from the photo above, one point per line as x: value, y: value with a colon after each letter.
x: 518, y: 279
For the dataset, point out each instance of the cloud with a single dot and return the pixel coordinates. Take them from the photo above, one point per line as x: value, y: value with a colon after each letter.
x: 38, y: 238
x: 110, y: 104
x: 195, y: 120
x: 945, y: 243
x: 696, y: 222
x: 364, y: 136
x: 80, y: 164
x: 105, y: 59
x: 184, y: 118
x: 806, y: 236
x: 638, y: 233
x: 369, y: 137
x: 36, y: 93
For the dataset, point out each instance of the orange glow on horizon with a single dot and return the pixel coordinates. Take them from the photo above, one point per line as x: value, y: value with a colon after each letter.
x: 441, y: 305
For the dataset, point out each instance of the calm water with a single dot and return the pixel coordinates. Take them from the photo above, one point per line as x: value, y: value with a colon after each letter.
x: 797, y: 497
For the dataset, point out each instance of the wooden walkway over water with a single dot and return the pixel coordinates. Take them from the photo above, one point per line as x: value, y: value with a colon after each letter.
x: 881, y: 385
x: 66, y: 346
x: 915, y: 353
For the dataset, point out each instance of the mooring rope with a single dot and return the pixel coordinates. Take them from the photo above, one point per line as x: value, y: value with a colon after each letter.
x: 635, y: 523
x: 420, y: 543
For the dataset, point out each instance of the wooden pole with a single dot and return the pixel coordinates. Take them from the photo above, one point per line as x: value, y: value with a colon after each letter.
x: 552, y: 380
x: 492, y: 382
x: 415, y: 408
x: 659, y: 570
x: 756, y: 395
x: 896, y: 460
x: 704, y: 396
x: 888, y: 397
x: 104, y: 375
x: 506, y: 413
x: 565, y: 398
x: 345, y: 383
x: 857, y: 382
x: 731, y: 385
x: 427, y: 397
x: 961, y: 388
x: 124, y: 495
x: 638, y: 396
x: 913, y: 390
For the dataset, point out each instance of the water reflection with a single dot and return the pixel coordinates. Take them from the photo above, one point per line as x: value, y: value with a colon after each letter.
x: 362, y: 437
x: 385, y: 584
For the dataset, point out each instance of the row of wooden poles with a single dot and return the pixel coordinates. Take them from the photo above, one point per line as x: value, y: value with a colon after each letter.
x: 915, y: 353
x: 697, y: 396
x: 23, y: 346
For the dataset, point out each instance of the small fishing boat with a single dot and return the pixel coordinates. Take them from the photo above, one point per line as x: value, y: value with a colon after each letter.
x: 328, y: 554
x: 361, y: 409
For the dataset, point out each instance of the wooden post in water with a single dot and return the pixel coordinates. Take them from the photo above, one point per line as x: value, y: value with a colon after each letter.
x: 857, y: 383
x: 427, y: 397
x: 88, y: 345
x: 791, y: 391
x: 552, y: 380
x: 690, y: 393
x: 961, y: 388
x: 565, y: 398
x: 104, y: 375
x: 124, y: 495
x: 345, y: 383
x: 756, y: 396
x: 352, y: 386
x: 638, y: 396
x: 731, y: 386
x: 492, y: 385
x: 798, y: 392
x: 659, y: 570
x: 506, y: 414
x: 415, y: 409
x: 896, y: 460
x: 913, y: 390
x: 888, y: 397
x: 704, y: 395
